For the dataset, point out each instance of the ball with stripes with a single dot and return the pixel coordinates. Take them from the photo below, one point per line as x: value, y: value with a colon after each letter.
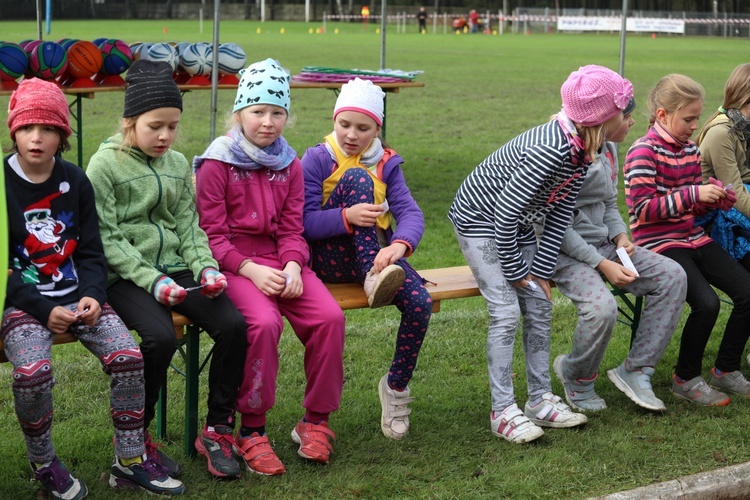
x: 160, y: 52
x: 48, y: 60
x: 232, y: 58
x: 84, y: 59
x: 197, y: 59
x: 13, y: 61
x: 116, y: 56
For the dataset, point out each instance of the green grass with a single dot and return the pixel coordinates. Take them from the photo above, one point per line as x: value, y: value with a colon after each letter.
x: 479, y: 92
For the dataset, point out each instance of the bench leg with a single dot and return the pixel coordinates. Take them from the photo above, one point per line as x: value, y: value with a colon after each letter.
x: 192, y: 370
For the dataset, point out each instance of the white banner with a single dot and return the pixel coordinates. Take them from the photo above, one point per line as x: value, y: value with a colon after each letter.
x: 570, y: 23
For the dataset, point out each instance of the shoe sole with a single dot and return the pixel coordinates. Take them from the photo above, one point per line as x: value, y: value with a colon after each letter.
x: 390, y: 282
x: 201, y: 448
x: 625, y: 389
x: 276, y: 472
x: 296, y: 439
x: 125, y: 484
x: 721, y: 403
x: 387, y: 431
x: 521, y: 440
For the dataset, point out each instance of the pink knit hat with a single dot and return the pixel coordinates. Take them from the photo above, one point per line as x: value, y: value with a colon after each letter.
x: 594, y: 94
x: 361, y: 96
x: 38, y: 102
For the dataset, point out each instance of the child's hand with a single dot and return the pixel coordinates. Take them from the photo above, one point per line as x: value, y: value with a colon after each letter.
x: 615, y: 273
x: 532, y: 282
x: 214, y: 283
x: 622, y: 241
x: 268, y: 280
x: 168, y: 292
x: 88, y: 311
x: 60, y: 320
x: 388, y: 255
x: 710, y: 193
x: 293, y: 288
x: 363, y: 214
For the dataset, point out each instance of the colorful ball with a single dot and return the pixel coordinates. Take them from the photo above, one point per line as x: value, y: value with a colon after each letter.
x: 13, y: 61
x: 140, y: 49
x: 197, y: 59
x: 84, y: 59
x: 30, y: 45
x: 68, y: 43
x: 232, y: 58
x: 48, y: 60
x: 117, y: 56
x: 99, y: 41
x: 161, y: 52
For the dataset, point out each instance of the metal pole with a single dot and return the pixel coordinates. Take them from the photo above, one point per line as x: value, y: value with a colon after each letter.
x: 49, y: 17
x: 215, y: 70
x: 623, y: 33
x: 382, y: 37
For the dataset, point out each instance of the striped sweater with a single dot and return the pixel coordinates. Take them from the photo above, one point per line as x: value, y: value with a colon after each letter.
x: 530, y: 178
x: 662, y: 176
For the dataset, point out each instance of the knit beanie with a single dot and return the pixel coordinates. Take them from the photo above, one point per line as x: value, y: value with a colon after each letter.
x: 150, y: 86
x: 38, y: 102
x: 594, y: 94
x: 263, y: 82
x: 362, y: 96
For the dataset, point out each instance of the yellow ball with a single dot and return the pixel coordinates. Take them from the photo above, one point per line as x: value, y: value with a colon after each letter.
x: 336, y: 31
x: 258, y: 31
x: 282, y: 31
x: 310, y: 31
x: 458, y: 32
x: 424, y: 32
x: 377, y: 31
x: 466, y: 29
x: 317, y: 30
x: 494, y: 32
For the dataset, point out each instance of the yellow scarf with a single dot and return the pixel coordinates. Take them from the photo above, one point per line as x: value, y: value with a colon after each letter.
x: 345, y: 163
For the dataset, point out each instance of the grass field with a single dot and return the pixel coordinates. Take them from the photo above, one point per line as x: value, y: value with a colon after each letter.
x: 479, y: 92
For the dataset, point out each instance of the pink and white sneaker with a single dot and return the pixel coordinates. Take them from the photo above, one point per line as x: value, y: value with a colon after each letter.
x: 512, y: 425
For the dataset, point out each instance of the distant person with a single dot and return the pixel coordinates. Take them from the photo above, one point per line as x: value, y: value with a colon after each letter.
x: 422, y: 20
x: 250, y: 198
x: 365, y: 13
x: 473, y: 21
x: 536, y: 175
x: 58, y: 286
x: 664, y: 194
x: 159, y: 259
x: 354, y: 193
x: 723, y: 143
x: 588, y: 260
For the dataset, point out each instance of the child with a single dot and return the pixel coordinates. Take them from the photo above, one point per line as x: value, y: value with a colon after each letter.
x: 588, y: 258
x: 250, y: 198
x: 58, y: 286
x: 664, y: 194
x: 354, y: 190
x: 537, y: 174
x: 723, y: 143
x: 157, y: 252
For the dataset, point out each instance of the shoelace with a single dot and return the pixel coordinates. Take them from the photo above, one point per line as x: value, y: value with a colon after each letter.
x: 226, y: 442
x: 154, y: 469
x: 151, y: 447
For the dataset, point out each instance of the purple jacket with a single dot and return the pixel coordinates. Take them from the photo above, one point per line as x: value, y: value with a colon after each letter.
x: 317, y: 166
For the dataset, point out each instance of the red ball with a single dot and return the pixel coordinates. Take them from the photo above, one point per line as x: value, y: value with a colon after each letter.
x: 84, y: 59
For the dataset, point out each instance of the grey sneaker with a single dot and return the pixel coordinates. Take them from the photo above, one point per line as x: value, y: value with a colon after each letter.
x: 579, y: 396
x: 637, y: 386
x: 698, y: 391
x: 552, y: 412
x: 734, y: 382
x: 394, y: 417
x: 381, y: 288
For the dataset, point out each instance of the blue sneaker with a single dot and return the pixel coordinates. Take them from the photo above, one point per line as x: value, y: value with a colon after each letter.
x: 59, y: 482
x: 148, y: 475
x: 637, y: 386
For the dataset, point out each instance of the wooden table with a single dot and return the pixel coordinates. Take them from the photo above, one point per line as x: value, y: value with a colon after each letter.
x: 76, y: 107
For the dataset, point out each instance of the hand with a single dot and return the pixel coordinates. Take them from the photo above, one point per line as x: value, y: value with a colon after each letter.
x: 214, y: 282
x: 60, y: 320
x: 728, y: 202
x: 711, y: 193
x: 293, y: 288
x: 88, y: 311
x: 388, y: 255
x: 268, y: 280
x: 168, y: 292
x: 533, y: 282
x: 615, y: 273
x: 622, y: 241
x: 363, y: 214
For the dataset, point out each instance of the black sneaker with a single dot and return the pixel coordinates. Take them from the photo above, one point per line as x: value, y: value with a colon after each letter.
x: 148, y: 475
x: 218, y: 447
x: 153, y: 452
x: 59, y: 482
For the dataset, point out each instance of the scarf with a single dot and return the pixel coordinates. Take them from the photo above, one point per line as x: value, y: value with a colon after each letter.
x: 739, y: 122
x: 368, y: 158
x: 577, y: 148
x: 236, y: 150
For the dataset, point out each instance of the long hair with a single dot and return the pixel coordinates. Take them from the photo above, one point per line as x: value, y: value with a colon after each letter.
x: 672, y: 93
x: 736, y: 92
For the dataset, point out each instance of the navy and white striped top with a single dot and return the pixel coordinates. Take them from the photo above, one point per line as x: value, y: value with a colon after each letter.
x: 529, y: 178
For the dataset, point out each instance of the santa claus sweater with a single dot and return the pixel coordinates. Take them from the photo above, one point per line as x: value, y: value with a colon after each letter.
x: 55, y: 250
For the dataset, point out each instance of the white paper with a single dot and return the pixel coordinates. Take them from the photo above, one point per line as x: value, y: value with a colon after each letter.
x: 287, y: 277
x: 385, y: 207
x: 625, y: 259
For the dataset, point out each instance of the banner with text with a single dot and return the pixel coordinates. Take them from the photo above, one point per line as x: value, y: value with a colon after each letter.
x: 575, y: 23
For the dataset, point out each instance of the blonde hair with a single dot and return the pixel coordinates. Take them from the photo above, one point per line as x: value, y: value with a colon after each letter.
x: 736, y: 91
x: 127, y: 129
x: 593, y: 138
x: 672, y: 93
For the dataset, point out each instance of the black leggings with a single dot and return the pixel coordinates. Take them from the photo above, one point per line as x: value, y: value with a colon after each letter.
x: 706, y: 266
x: 153, y: 322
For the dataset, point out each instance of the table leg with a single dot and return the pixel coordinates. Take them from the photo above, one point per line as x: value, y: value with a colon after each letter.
x: 78, y: 128
x: 192, y: 371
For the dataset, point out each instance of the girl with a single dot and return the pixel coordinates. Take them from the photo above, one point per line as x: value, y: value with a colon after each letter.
x: 156, y: 252
x: 723, y: 143
x: 664, y: 194
x: 589, y: 259
x: 354, y: 190
x: 59, y: 286
x: 537, y: 174
x: 251, y: 192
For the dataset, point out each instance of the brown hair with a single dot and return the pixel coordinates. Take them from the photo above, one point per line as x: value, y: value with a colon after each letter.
x: 672, y: 93
x: 736, y: 91
x: 61, y: 148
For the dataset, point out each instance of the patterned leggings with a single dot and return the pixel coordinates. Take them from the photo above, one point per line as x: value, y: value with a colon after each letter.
x: 28, y: 344
x: 347, y: 259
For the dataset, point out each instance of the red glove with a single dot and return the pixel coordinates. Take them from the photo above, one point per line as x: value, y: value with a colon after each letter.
x: 214, y: 282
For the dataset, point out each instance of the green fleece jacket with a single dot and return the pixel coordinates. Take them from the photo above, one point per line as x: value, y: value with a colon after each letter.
x: 724, y: 157
x: 147, y: 217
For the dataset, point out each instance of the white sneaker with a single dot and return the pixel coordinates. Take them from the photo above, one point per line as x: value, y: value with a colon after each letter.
x: 394, y: 417
x: 381, y: 288
x: 552, y: 412
x: 512, y: 425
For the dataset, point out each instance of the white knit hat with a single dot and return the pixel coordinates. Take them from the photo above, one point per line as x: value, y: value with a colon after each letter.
x: 361, y: 96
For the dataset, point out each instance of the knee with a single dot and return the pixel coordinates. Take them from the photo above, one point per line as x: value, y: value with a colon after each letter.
x: 261, y: 330
x: 709, y: 306
x: 161, y: 344
x: 33, y: 376
x: 124, y: 360
x: 602, y: 312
